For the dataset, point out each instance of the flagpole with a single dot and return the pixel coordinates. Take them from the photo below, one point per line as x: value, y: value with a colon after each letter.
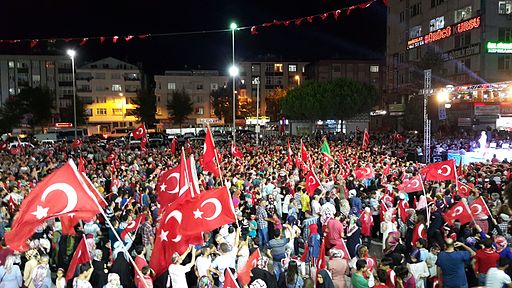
x: 73, y: 166
x: 215, y: 153
x: 426, y: 199
x: 467, y: 207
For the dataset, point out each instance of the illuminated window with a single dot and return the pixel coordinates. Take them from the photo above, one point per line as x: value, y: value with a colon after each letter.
x: 505, y: 7
x: 437, y: 23
x: 374, y: 68
x: 116, y: 88
x: 101, y: 111
x: 200, y: 111
x: 214, y: 86
x: 292, y: 68
x: 415, y: 32
x: 117, y: 111
x: 171, y: 86
x: 462, y: 14
x: 11, y: 64
x: 255, y: 68
x: 278, y: 67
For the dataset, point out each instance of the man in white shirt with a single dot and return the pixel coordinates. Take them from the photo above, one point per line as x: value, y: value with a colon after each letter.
x: 203, y: 263
x: 227, y: 259
x: 177, y: 271
x: 496, y: 277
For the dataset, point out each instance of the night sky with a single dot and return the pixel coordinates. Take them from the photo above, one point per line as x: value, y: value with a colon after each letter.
x: 361, y: 35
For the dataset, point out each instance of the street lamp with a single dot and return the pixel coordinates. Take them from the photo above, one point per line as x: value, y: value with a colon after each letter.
x: 233, y: 71
x: 72, y: 53
x: 256, y: 82
x: 297, y: 78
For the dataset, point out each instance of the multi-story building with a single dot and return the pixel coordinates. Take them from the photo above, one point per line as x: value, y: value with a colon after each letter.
x: 108, y: 87
x: 272, y: 75
x: 198, y: 84
x: 23, y: 71
x: 468, y: 42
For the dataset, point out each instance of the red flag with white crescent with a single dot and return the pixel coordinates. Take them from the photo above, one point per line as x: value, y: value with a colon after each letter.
x: 440, y: 171
x: 412, y: 185
x: 459, y: 211
x: 418, y: 232
x: 463, y: 190
x: 139, y: 132
x: 244, y: 275
x: 312, y: 182
x: 479, y: 209
x: 80, y: 256
x: 133, y: 225
x: 364, y: 173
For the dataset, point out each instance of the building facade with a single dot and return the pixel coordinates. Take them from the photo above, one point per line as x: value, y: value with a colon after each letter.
x: 198, y: 84
x: 470, y: 40
x: 108, y: 87
x: 23, y: 71
x: 272, y: 75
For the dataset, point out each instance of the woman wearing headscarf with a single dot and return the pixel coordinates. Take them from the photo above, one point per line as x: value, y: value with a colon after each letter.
x: 353, y: 235
x: 10, y: 275
x: 394, y: 249
x: 32, y: 257
x: 41, y: 275
x: 324, y: 280
x: 122, y: 268
x: 113, y: 281
x: 338, y: 266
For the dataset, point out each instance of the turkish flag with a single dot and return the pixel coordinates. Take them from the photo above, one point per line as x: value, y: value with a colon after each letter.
x: 479, y: 209
x: 81, y: 165
x: 304, y: 153
x: 192, y: 176
x: 402, y: 210
x: 174, y: 144
x: 312, y: 182
x: 188, y: 147
x: 440, y: 171
x: 68, y: 224
x: 168, y: 241
x: 235, y: 152
x: 386, y: 171
x: 205, y: 212
x: 3, y: 146
x: 366, y: 139
x: 168, y: 186
x: 247, y: 147
x: 304, y: 256
x: 321, y: 264
x: 111, y: 157
x: 290, y: 159
x: 463, y: 190
x: 139, y: 131
x: 114, y: 182
x: 81, y: 256
x: 364, y: 173
x: 61, y: 193
x: 343, y: 247
x: 459, y: 211
x: 418, y: 232
x: 244, y: 275
x: 77, y: 143
x: 229, y: 279
x: 412, y: 185
x: 134, y: 225
x: 210, y: 159
x: 15, y: 150
x: 12, y: 205
x: 144, y: 142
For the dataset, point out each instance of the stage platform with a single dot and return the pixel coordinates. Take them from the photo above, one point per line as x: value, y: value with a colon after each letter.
x: 479, y: 155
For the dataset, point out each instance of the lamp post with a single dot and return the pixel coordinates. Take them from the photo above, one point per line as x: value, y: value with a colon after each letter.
x: 72, y: 53
x: 297, y: 78
x: 233, y: 71
x: 256, y: 81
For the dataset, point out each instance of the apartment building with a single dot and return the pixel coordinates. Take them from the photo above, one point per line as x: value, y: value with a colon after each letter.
x: 108, y: 87
x: 198, y: 84
x: 272, y: 75
x: 23, y: 71
x: 473, y: 39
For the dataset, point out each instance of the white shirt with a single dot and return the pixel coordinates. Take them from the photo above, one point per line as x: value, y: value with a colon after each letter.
x: 496, y: 278
x: 177, y: 274
x: 202, y: 265
x: 286, y: 202
x: 221, y: 263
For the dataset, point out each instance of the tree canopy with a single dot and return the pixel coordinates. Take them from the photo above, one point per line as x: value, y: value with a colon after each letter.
x: 221, y: 101
x: 145, y: 107
x: 180, y: 106
x: 337, y: 99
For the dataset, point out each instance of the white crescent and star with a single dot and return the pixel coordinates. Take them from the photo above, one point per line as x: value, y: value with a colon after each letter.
x: 478, y: 209
x: 72, y: 200
x: 457, y: 211
x: 176, y: 214
x: 218, y: 208
x: 448, y: 170
x: 176, y: 188
x: 139, y: 131
x: 415, y: 183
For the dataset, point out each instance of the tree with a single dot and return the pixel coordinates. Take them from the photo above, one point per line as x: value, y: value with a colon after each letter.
x: 67, y: 113
x: 337, y: 99
x: 180, y: 106
x: 221, y: 101
x: 145, y: 107
x: 273, y: 102
x: 413, y: 117
x: 10, y: 116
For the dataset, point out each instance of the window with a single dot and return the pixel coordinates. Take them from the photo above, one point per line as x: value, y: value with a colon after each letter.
x: 36, y: 78
x: 415, y: 9
x: 171, y: 86
x: 116, y: 76
x: 101, y: 111
x: 117, y: 111
x: 504, y: 7
x: 278, y: 67
x: 11, y: 64
x: 269, y: 68
x: 374, y: 68
x: 437, y: 23
x: 415, y: 32
x: 402, y: 17
x: 101, y: 99
x: 200, y: 111
x: 101, y: 88
x: 434, y: 3
x: 505, y: 34
x: 199, y: 86
x: 49, y: 64
x: 336, y: 68
x: 462, y: 14
x: 214, y: 86
x: 292, y: 68
x: 99, y: 75
x: 116, y: 88
x: 255, y: 68
x: 505, y: 62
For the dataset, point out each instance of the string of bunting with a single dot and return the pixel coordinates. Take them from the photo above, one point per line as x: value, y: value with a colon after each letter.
x: 253, y: 29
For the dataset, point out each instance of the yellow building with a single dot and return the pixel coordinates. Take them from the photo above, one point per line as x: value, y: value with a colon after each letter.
x: 108, y: 88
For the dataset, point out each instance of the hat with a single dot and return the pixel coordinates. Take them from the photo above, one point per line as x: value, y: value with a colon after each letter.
x: 504, y: 217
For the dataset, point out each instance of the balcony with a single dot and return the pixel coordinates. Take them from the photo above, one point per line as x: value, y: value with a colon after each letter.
x: 65, y: 70
x: 272, y: 73
x: 65, y: 83
x: 85, y: 78
x: 84, y: 89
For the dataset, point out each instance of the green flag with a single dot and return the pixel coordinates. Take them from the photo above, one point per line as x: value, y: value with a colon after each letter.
x: 326, y: 150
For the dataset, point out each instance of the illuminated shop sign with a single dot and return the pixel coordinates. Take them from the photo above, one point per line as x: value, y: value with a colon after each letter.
x: 444, y: 33
x: 500, y: 47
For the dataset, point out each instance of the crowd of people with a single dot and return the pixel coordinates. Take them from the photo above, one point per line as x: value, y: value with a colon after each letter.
x: 302, y: 237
